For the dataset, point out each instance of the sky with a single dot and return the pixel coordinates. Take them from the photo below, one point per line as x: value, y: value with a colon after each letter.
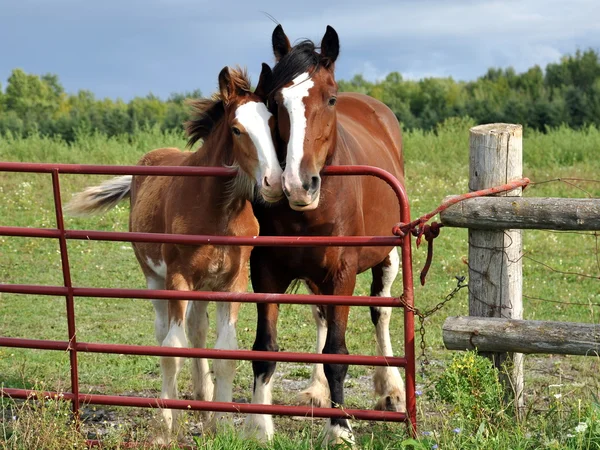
x: 127, y: 48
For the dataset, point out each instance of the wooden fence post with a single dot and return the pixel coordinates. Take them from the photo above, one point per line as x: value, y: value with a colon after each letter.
x: 495, y: 268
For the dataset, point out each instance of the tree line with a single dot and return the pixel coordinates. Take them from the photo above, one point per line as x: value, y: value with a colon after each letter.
x: 564, y: 93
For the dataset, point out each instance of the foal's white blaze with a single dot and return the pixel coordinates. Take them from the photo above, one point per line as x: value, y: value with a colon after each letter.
x: 254, y: 116
x: 293, y: 101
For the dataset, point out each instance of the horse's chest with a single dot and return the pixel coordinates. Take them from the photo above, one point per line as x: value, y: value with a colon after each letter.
x: 216, y: 268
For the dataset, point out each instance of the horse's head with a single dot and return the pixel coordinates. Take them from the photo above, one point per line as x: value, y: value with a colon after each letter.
x: 252, y: 127
x: 305, y: 95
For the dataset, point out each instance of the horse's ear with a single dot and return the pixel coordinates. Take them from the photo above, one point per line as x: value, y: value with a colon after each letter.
x: 330, y: 46
x: 226, y: 87
x: 281, y: 43
x: 264, y: 81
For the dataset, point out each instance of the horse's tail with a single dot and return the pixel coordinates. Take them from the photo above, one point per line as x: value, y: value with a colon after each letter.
x: 101, y: 198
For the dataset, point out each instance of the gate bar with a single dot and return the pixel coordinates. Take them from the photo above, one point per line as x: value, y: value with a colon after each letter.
x: 242, y: 408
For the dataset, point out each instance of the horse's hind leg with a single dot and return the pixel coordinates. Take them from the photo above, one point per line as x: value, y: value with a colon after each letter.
x: 388, y: 382
x: 197, y: 329
x: 317, y: 392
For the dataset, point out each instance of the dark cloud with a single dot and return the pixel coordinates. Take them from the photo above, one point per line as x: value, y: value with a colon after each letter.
x: 123, y: 48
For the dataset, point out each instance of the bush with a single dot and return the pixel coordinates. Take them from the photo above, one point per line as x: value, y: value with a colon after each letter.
x: 470, y: 384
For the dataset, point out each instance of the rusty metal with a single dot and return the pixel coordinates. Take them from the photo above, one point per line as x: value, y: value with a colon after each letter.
x: 70, y: 292
x: 66, y: 270
x: 250, y: 355
x: 150, y: 294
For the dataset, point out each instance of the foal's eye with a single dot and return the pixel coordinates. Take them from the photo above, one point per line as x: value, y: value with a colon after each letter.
x: 332, y: 101
x: 236, y: 131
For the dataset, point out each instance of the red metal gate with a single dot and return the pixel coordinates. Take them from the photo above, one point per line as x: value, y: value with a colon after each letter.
x: 70, y: 292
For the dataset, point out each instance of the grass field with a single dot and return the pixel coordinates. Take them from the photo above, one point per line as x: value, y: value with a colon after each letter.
x: 560, y: 390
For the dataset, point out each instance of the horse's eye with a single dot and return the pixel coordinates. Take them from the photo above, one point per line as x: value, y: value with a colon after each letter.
x: 236, y: 131
x: 332, y: 101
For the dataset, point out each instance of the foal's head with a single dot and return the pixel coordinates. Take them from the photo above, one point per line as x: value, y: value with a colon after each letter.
x: 305, y: 96
x: 250, y: 128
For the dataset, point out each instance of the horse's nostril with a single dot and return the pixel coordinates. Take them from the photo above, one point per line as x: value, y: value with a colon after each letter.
x: 314, y: 183
x: 267, y: 182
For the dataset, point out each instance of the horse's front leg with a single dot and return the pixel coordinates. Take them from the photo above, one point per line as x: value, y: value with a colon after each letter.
x: 265, y: 279
x: 170, y: 366
x: 338, y: 431
x: 197, y: 330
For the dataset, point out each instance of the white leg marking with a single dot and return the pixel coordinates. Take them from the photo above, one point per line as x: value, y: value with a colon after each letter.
x: 261, y: 426
x: 197, y: 329
x: 336, y: 435
x: 317, y: 392
x: 170, y: 367
x: 161, y: 310
x: 224, y: 368
x: 388, y: 381
x: 159, y: 268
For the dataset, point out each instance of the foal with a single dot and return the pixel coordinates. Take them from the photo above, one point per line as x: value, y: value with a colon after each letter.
x: 318, y: 127
x: 236, y: 130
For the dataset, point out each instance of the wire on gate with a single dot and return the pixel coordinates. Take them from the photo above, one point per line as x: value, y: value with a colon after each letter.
x: 420, y: 229
x: 424, y: 315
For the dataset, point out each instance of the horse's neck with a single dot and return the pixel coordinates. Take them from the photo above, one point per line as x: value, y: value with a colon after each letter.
x: 216, y: 150
x: 223, y: 195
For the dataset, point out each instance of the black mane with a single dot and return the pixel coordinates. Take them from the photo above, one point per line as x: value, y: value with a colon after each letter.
x: 299, y: 60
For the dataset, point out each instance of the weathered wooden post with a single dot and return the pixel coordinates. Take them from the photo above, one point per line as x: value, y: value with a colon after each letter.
x: 495, y: 267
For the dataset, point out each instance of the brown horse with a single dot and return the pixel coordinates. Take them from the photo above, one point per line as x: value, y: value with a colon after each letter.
x: 236, y: 129
x: 318, y: 127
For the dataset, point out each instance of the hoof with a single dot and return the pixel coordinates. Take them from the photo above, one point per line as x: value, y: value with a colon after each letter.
x: 259, y: 427
x: 316, y: 395
x: 338, y: 437
x: 394, y: 401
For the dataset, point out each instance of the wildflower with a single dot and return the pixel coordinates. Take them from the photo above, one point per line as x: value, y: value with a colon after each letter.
x: 419, y: 392
x: 557, y: 396
x: 14, y: 417
x: 569, y: 435
x: 426, y: 433
x: 434, y: 446
x: 456, y: 430
x: 581, y: 427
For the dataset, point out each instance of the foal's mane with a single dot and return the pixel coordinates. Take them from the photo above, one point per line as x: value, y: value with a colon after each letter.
x: 297, y: 61
x: 206, y: 113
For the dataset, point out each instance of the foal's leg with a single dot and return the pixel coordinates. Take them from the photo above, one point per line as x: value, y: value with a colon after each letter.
x: 227, y: 314
x: 161, y: 310
x: 338, y: 431
x: 266, y: 281
x: 197, y: 329
x: 317, y: 392
x: 387, y: 380
x: 170, y: 366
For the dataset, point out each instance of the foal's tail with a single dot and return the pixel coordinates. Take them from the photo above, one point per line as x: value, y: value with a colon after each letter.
x: 99, y: 199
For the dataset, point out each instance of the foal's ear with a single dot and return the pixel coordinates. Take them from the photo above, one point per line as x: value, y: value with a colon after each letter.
x: 264, y: 81
x: 330, y: 46
x: 281, y: 43
x: 226, y: 87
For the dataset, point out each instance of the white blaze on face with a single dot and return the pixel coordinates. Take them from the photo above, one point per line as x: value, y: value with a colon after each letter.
x: 254, y: 117
x: 293, y: 101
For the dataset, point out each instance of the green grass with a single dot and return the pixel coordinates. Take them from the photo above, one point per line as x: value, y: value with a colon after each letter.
x: 436, y: 166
